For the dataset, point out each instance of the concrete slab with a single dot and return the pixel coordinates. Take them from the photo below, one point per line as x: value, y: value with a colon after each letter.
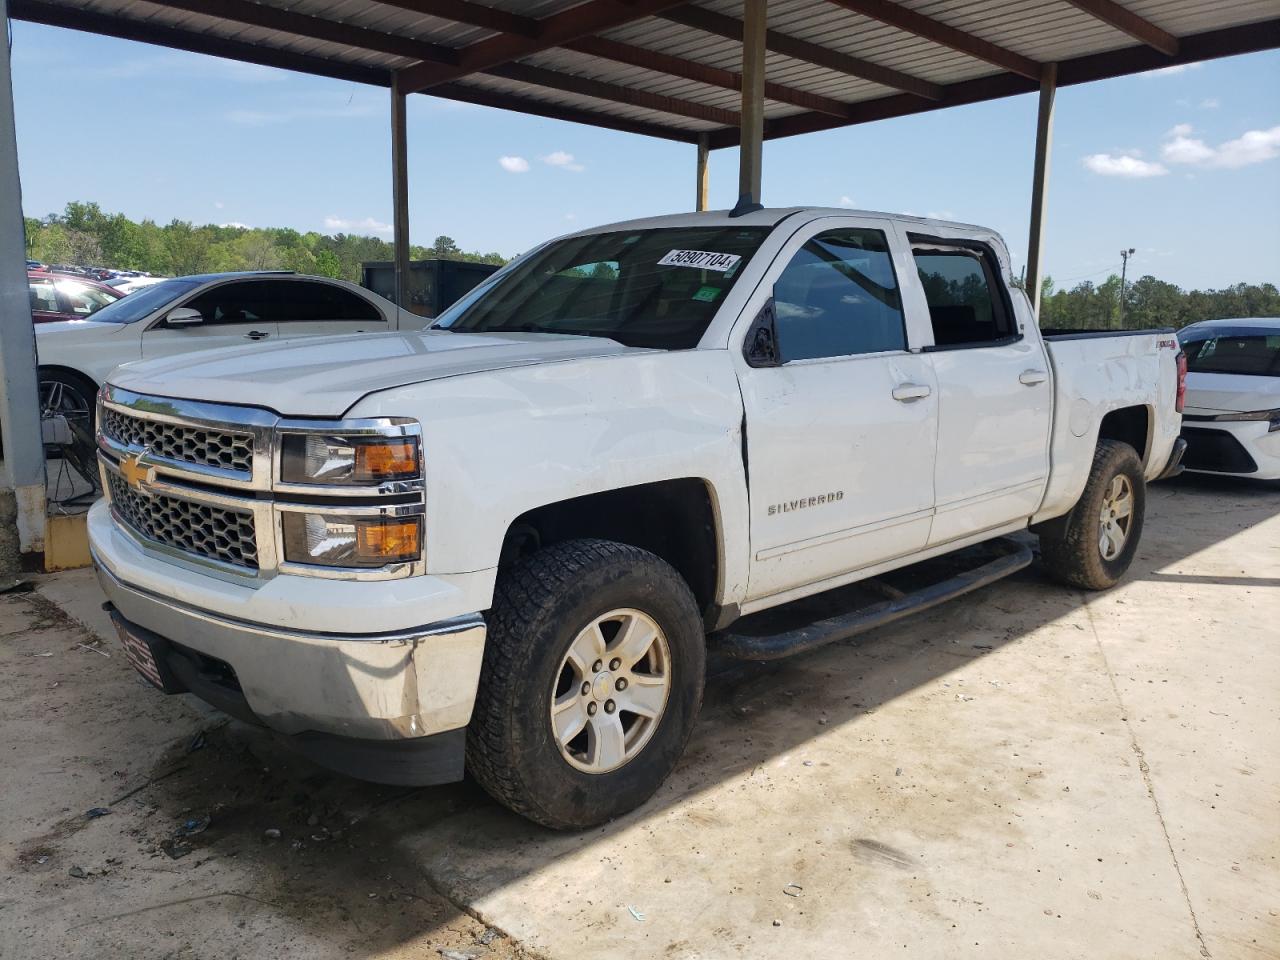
x: 1025, y: 772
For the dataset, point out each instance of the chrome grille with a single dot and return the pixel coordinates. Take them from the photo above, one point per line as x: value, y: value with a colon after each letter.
x: 206, y: 531
x: 186, y: 444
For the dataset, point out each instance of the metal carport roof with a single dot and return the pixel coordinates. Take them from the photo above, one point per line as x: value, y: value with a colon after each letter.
x: 672, y: 70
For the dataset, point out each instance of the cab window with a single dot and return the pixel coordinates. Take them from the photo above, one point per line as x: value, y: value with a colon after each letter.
x: 966, y: 305
x: 838, y: 297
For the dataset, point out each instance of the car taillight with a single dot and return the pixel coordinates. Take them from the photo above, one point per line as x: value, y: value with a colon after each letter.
x: 1181, y: 397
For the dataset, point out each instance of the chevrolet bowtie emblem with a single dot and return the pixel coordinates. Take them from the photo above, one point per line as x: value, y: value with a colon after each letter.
x: 135, y: 472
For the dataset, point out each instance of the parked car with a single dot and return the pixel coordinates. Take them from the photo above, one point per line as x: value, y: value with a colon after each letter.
x: 199, y: 313
x: 131, y: 282
x: 1232, y: 420
x: 36, y: 265
x: 57, y: 296
x: 508, y: 540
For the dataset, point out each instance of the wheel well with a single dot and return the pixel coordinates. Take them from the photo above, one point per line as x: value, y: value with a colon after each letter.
x: 674, y: 519
x: 71, y: 371
x: 1131, y: 425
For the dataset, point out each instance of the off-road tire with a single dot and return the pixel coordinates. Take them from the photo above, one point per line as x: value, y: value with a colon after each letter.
x: 540, y: 605
x: 1074, y: 557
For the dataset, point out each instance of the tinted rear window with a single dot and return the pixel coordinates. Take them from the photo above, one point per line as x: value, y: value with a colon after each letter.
x: 1256, y: 356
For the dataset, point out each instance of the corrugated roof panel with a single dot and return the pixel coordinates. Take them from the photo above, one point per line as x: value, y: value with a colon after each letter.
x: 556, y: 97
x: 1184, y: 17
x: 1040, y: 30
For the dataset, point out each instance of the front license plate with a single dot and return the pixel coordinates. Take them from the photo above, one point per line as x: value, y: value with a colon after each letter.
x: 139, y: 653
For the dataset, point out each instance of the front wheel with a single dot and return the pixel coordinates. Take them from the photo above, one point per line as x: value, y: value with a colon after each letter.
x: 1097, y: 545
x: 592, y: 679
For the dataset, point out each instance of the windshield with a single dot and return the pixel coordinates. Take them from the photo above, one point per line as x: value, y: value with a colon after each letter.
x: 146, y: 301
x: 642, y: 288
x: 1249, y: 355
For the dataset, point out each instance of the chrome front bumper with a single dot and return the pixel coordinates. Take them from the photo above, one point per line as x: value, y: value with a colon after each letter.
x: 380, y: 686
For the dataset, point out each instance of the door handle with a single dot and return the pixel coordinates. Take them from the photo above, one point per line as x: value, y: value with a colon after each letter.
x: 907, y: 392
x: 1031, y: 377
x: 257, y: 335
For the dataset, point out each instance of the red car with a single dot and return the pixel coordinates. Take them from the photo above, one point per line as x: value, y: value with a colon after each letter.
x: 59, y: 296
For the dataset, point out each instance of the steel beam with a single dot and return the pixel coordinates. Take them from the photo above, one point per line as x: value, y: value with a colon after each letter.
x: 722, y: 26
x: 1127, y: 21
x: 700, y: 180
x: 22, y: 471
x: 584, y: 20
x: 1040, y: 183
x: 940, y: 33
x: 400, y: 192
x: 646, y: 59
x: 750, y: 147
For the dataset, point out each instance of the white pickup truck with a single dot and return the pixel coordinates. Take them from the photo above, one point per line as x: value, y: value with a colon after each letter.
x: 509, y: 541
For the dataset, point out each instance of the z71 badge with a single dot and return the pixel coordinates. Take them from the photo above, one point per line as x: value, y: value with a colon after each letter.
x: 806, y: 502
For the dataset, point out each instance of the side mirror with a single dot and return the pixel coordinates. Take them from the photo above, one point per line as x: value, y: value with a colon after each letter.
x: 761, y: 345
x: 183, y: 317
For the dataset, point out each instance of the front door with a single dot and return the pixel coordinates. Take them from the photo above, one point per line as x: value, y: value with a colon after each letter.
x: 235, y: 313
x: 996, y: 396
x: 841, y: 434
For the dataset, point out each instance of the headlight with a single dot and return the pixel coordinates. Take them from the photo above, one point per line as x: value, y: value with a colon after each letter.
x: 337, y: 541
x: 317, y: 458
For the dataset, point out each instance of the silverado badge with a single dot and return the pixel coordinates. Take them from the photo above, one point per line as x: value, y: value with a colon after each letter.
x: 135, y: 472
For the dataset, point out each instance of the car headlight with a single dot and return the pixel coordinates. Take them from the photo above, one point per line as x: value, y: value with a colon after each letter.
x: 358, y: 461
x: 351, y: 541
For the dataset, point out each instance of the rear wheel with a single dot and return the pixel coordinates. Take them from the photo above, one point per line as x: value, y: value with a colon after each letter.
x: 592, y: 680
x: 1097, y: 545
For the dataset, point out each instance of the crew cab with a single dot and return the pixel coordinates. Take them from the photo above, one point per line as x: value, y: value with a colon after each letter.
x: 507, y: 542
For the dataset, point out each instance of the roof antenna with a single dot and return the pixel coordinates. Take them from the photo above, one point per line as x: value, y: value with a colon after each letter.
x: 744, y: 206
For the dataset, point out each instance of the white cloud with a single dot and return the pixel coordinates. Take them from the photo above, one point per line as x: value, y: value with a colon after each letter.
x: 218, y: 204
x: 1253, y: 146
x: 847, y: 201
x: 1210, y: 103
x: 1169, y: 71
x: 571, y: 216
x: 940, y: 215
x: 237, y: 224
x: 1123, y: 165
x: 361, y: 227
x: 563, y: 160
x: 514, y: 164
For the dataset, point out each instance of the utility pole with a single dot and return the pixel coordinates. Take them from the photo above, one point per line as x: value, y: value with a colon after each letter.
x: 1124, y: 269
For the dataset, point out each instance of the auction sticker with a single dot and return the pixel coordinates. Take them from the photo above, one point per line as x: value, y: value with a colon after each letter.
x: 701, y: 259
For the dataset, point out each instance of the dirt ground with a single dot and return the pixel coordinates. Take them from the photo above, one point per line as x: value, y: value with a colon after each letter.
x: 1023, y: 772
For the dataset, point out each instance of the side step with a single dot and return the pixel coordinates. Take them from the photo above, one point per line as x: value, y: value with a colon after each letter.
x: 1011, y: 556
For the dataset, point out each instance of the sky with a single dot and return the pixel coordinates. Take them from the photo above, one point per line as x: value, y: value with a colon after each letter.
x: 1181, y: 164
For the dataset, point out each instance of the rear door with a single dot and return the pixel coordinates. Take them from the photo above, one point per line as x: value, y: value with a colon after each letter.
x: 233, y: 313
x: 840, y: 435
x: 996, y: 395
x: 317, y: 309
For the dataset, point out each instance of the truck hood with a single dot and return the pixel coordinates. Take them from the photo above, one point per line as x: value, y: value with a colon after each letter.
x: 325, y: 376
x: 1231, y: 393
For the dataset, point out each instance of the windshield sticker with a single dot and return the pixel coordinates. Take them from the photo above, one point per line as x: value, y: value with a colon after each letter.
x: 707, y: 294
x: 701, y: 259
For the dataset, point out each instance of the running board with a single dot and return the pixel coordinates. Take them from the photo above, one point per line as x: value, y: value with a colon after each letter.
x: 1012, y: 557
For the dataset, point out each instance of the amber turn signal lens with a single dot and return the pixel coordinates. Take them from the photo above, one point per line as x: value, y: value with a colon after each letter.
x: 387, y: 541
x: 386, y: 460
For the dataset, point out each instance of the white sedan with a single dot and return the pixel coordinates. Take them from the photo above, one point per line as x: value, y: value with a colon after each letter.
x: 200, y: 312
x: 1231, y: 420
